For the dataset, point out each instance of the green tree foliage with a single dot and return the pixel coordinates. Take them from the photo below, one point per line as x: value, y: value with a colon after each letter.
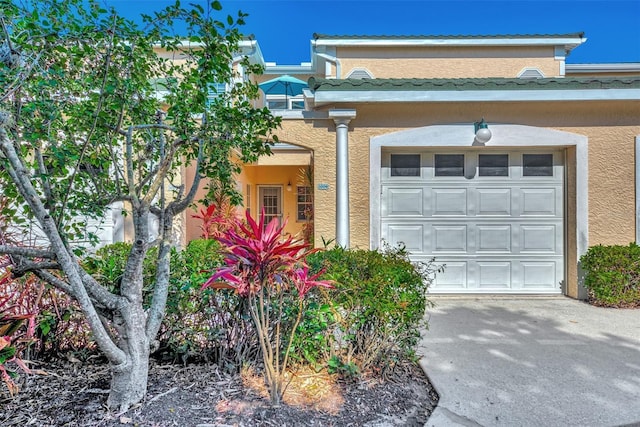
x: 95, y: 110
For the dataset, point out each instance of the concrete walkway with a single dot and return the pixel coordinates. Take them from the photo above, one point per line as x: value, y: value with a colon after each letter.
x: 532, y: 362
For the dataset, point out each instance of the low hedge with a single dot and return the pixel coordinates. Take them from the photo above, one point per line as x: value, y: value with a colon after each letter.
x: 612, y: 275
x: 373, y: 317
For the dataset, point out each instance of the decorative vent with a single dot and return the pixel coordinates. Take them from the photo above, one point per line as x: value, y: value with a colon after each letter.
x: 359, y: 73
x: 531, y: 73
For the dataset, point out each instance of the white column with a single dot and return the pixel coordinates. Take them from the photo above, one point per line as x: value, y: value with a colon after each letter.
x: 342, y: 119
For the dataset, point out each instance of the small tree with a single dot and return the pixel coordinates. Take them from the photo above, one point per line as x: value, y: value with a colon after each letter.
x: 96, y: 109
x: 266, y: 268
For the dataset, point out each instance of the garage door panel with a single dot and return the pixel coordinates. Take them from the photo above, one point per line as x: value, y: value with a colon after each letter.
x: 409, y: 236
x: 494, y: 201
x: 453, y: 277
x: 539, y: 202
x: 494, y: 275
x: 539, y: 274
x: 405, y: 201
x: 449, y: 201
x: 494, y: 238
x: 450, y: 238
x: 538, y: 238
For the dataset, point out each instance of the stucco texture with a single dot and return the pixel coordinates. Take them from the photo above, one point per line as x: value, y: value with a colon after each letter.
x: 611, y: 128
x: 449, y: 62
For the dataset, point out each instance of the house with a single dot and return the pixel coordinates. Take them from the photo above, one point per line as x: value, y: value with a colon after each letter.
x: 490, y: 153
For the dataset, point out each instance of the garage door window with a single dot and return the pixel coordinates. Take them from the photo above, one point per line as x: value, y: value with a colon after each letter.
x: 537, y: 165
x: 405, y: 165
x: 449, y: 165
x: 493, y: 165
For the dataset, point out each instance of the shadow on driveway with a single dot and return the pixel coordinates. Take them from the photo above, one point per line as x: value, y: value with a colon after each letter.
x: 532, y: 362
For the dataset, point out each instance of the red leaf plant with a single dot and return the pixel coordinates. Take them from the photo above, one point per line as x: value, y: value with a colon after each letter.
x: 15, y: 336
x: 264, y: 266
x: 216, y: 219
x: 18, y: 303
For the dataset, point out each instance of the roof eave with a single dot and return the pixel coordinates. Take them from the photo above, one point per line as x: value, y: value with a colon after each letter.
x: 621, y: 67
x: 354, y: 97
x: 569, y: 43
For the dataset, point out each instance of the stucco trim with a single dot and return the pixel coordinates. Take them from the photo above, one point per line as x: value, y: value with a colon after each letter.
x: 621, y: 67
x: 326, y: 97
x: 637, y: 188
x: 567, y: 42
x: 503, y: 135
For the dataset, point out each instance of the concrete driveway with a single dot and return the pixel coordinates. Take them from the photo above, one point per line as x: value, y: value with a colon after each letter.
x: 532, y: 362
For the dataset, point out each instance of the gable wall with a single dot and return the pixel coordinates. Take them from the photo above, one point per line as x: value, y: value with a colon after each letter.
x: 448, y: 62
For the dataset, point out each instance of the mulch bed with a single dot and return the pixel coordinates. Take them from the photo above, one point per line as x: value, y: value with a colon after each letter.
x: 74, y: 394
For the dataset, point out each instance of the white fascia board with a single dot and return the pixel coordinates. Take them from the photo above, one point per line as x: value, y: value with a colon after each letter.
x: 253, y: 45
x: 633, y: 67
x: 533, y: 41
x: 477, y: 96
x: 283, y: 147
x: 288, y: 69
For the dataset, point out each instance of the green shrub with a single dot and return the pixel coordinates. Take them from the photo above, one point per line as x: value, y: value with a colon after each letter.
x: 212, y: 325
x: 373, y: 316
x: 612, y: 275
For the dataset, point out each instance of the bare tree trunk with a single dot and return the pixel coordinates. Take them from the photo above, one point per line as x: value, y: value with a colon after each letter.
x: 129, y: 379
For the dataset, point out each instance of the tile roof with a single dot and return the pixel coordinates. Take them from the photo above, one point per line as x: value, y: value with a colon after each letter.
x: 564, y: 83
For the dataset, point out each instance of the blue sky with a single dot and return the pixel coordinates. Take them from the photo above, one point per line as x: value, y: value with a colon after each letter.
x: 284, y: 28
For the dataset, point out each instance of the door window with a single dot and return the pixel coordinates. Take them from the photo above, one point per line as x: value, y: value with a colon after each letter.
x: 271, y: 203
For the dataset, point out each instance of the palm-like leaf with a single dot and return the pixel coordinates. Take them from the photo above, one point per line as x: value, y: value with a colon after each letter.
x: 259, y: 255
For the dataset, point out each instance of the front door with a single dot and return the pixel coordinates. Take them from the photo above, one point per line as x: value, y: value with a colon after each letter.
x: 270, y: 198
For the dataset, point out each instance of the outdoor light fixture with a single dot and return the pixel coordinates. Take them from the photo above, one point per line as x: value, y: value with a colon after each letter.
x: 289, y: 186
x: 483, y: 134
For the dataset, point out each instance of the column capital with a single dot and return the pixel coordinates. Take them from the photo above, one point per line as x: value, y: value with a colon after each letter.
x: 342, y: 117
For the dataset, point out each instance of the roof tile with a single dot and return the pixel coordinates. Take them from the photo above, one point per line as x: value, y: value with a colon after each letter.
x: 563, y: 83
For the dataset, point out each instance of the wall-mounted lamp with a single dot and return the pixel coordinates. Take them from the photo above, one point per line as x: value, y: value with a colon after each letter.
x: 483, y: 134
x: 289, y: 186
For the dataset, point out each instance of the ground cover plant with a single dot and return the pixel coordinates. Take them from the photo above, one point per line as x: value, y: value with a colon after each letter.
x: 612, y: 275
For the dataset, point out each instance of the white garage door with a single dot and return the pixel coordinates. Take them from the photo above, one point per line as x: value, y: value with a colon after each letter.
x: 494, y: 218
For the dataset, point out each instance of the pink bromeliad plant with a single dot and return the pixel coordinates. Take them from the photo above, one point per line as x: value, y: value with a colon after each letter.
x: 266, y: 267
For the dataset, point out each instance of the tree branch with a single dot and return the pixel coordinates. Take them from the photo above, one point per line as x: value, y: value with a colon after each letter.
x: 24, y: 267
x: 96, y: 114
x: 98, y: 292
x: 161, y: 289
x: 55, y: 281
x: 21, y: 178
x: 179, y: 205
x: 26, y: 252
